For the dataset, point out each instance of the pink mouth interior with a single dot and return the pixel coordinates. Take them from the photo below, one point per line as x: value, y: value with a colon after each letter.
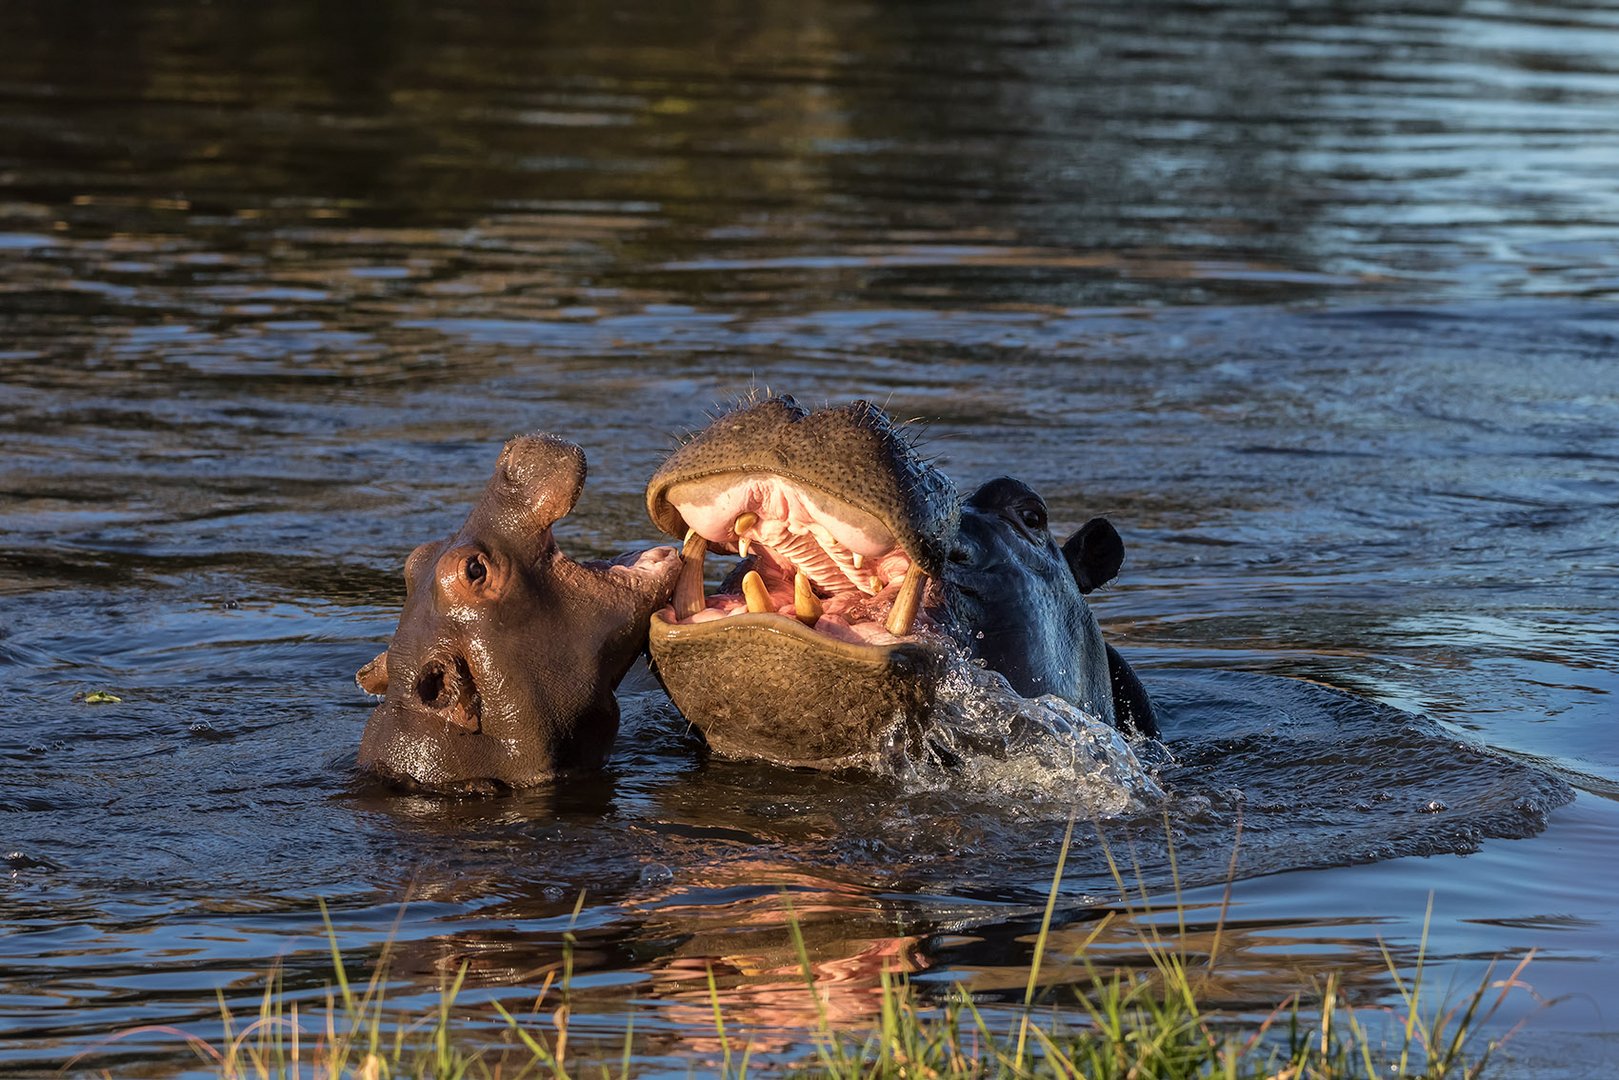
x: 801, y: 531
x: 637, y: 564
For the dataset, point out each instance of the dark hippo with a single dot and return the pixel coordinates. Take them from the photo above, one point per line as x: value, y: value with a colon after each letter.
x: 861, y: 570
x: 503, y: 666
x: 1017, y: 602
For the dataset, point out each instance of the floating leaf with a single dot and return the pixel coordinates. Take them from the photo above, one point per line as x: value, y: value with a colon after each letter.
x: 101, y: 697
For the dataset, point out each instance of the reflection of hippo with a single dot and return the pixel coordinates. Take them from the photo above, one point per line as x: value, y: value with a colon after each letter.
x: 859, y: 569
x: 503, y: 666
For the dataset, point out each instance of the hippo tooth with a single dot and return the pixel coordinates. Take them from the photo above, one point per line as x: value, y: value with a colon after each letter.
x: 689, y: 598
x: 743, y: 523
x: 903, y: 615
x: 754, y: 591
x: 805, y: 603
x: 857, y: 559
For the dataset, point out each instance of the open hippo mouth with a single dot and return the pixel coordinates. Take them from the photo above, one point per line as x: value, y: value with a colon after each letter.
x: 821, y: 647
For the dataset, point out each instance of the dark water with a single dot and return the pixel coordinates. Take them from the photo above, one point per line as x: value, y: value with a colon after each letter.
x: 1314, y: 301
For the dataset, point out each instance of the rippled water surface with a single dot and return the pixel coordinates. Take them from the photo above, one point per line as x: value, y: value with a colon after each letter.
x: 1314, y: 301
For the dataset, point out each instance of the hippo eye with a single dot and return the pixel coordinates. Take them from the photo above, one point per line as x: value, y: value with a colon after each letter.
x: 475, y: 569
x: 1032, y: 518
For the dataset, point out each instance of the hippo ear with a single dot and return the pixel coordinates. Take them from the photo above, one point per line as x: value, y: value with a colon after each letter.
x: 373, y: 678
x: 536, y: 483
x: 1094, y: 554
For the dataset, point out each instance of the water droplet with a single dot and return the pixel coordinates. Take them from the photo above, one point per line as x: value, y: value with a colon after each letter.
x: 654, y: 875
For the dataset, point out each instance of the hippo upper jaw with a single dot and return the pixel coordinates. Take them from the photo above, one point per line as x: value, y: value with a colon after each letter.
x: 858, y: 485
x: 838, y: 522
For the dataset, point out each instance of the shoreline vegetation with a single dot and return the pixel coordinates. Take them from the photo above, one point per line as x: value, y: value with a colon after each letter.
x: 1146, y: 1021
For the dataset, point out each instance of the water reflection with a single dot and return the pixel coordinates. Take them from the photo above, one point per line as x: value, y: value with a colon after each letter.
x: 300, y: 164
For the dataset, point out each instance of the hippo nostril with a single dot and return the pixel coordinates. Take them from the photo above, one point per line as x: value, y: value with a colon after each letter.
x: 960, y: 554
x: 431, y: 687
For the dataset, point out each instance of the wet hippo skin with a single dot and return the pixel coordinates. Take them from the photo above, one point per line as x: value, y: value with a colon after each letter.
x: 502, y: 669
x: 1017, y: 603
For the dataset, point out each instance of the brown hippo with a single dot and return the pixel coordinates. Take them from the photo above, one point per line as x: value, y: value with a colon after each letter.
x: 861, y: 573
x: 503, y: 666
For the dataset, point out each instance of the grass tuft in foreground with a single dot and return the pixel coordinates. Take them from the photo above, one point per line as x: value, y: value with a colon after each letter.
x: 1131, y: 1025
x: 1118, y: 1024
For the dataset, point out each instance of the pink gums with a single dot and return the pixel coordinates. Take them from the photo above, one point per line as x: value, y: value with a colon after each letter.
x: 806, y: 532
x: 798, y: 533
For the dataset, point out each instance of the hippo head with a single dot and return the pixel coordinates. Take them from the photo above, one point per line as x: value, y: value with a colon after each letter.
x: 817, y: 650
x: 860, y: 573
x: 1019, y: 598
x: 502, y: 669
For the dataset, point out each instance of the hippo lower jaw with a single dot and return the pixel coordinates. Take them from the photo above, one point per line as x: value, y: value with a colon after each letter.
x: 867, y: 698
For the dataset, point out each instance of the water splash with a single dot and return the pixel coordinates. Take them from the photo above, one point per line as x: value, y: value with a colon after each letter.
x: 1042, y: 754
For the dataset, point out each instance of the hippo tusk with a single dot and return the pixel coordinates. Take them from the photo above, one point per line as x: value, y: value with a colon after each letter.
x: 805, y: 603
x: 689, y: 598
x: 743, y: 523
x: 754, y: 591
x: 903, y: 614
